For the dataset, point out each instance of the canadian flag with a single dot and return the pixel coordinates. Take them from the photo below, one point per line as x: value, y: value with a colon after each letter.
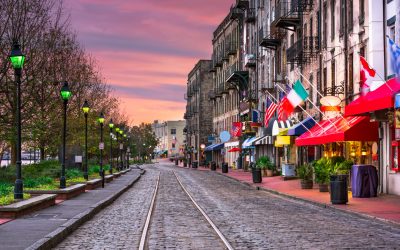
x: 366, y: 76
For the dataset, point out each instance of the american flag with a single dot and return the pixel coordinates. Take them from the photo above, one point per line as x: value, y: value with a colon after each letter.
x: 281, y: 110
x: 269, y: 112
x: 394, y: 52
x: 236, y: 129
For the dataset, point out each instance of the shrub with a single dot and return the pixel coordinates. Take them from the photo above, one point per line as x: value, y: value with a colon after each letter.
x: 73, y: 173
x: 5, y: 189
x: 8, y: 199
x: 305, y: 172
x: 94, y: 169
x: 36, y: 182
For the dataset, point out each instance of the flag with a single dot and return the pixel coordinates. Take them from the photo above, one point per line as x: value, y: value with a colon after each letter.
x: 394, y: 52
x: 255, y: 116
x: 269, y: 112
x: 297, y: 95
x: 236, y: 129
x: 366, y: 76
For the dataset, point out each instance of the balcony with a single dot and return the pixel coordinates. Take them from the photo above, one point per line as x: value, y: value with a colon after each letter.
x: 219, y: 91
x: 231, y: 48
x: 287, y: 14
x: 236, y: 13
x: 250, y: 16
x: 271, y: 39
x: 303, y: 50
x: 242, y: 4
x: 189, y: 92
x: 250, y: 60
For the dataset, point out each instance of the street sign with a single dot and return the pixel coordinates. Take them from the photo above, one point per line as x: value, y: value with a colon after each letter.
x: 121, y: 146
x: 101, y: 145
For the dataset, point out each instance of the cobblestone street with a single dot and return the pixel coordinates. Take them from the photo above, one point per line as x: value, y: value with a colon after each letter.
x: 248, y: 218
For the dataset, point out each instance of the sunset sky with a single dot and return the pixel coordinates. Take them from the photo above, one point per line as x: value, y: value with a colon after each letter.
x: 146, y: 48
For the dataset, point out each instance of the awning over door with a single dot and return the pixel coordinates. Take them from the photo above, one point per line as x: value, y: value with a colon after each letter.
x: 214, y: 147
x: 381, y: 98
x: 248, y: 142
x: 353, y: 128
x: 302, y: 127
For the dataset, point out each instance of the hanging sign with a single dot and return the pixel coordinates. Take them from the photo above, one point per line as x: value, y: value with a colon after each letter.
x: 101, y: 146
x: 225, y: 136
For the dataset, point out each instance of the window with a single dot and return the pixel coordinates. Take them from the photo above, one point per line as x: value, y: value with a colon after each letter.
x: 173, y: 145
x: 362, y: 51
x: 332, y: 20
x: 350, y: 15
x: 310, y: 90
x: 392, y: 32
x: 325, y: 75
x: 362, y: 11
x: 325, y: 25
x: 173, y: 131
x: 342, y: 17
x: 351, y: 79
x: 333, y: 74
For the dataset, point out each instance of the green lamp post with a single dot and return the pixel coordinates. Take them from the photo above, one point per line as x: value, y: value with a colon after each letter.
x: 17, y: 60
x: 101, y: 146
x: 65, y: 96
x: 111, y: 126
x: 85, y: 109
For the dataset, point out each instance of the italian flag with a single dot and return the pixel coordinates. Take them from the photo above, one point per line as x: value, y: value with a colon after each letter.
x: 296, y: 96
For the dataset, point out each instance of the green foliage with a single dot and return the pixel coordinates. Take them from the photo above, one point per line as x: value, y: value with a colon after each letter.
x: 73, y: 173
x: 44, y: 168
x: 9, y: 198
x: 341, y: 167
x: 5, y: 189
x: 94, y: 169
x: 264, y: 162
x: 322, y: 169
x: 305, y: 172
x: 36, y: 182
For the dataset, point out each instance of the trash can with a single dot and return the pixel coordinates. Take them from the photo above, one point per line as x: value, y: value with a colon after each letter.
x: 194, y: 164
x: 213, y: 166
x: 224, y: 167
x: 338, y: 189
x: 256, y: 173
x: 185, y: 164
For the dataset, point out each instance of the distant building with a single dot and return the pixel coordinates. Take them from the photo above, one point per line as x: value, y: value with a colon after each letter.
x: 199, y: 108
x: 170, y: 136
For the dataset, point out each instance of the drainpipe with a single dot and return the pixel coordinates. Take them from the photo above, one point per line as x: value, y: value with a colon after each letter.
x: 381, y: 129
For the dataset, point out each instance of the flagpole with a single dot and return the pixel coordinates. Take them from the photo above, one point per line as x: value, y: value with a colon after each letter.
x: 314, y: 87
x: 274, y: 99
x: 305, y: 110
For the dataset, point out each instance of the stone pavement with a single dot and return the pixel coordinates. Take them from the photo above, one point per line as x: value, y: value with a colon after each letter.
x: 44, y: 228
x: 384, y: 207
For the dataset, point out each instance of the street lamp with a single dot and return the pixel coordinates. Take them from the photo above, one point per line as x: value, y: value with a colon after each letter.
x: 117, y: 135
x: 111, y: 125
x: 17, y: 60
x: 65, y: 95
x: 101, y: 147
x: 86, y: 109
x: 121, y: 147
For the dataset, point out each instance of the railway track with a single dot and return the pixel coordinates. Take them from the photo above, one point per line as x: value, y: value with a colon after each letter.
x: 191, y: 216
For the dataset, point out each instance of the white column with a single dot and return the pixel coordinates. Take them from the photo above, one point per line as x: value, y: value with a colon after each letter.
x: 375, y: 36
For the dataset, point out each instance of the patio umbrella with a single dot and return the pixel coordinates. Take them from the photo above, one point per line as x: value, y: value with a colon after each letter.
x: 235, y: 150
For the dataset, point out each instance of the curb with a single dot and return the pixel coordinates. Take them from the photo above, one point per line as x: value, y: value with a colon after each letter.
x: 318, y: 204
x: 59, y: 234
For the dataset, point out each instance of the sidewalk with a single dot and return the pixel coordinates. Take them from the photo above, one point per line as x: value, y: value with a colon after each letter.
x: 46, y: 227
x: 384, y: 207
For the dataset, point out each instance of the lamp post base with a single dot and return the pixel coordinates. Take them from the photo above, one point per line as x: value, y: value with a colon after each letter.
x: 63, y: 182
x: 86, y: 176
x: 18, y: 190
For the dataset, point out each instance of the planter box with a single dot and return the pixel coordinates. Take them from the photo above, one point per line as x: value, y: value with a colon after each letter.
x: 109, y: 178
x: 62, y: 194
x: 116, y: 175
x: 93, y: 184
x: 20, y: 208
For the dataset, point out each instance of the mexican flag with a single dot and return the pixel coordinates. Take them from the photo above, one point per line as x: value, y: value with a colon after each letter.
x: 296, y: 96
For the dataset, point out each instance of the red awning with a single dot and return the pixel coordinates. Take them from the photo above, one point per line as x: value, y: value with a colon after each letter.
x: 381, y: 98
x: 353, y: 128
x: 235, y: 150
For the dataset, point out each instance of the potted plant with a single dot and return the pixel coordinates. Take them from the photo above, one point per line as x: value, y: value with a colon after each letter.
x: 338, y: 180
x: 270, y: 169
x: 256, y: 173
x: 263, y: 163
x: 322, y: 169
x: 305, y: 173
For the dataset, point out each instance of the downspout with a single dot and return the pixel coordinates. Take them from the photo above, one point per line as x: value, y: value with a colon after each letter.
x: 382, y: 142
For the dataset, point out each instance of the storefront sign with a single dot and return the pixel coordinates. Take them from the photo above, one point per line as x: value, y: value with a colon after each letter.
x: 283, y: 140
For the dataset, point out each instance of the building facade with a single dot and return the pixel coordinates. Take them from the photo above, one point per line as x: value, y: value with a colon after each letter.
x: 198, y: 108
x: 170, y: 136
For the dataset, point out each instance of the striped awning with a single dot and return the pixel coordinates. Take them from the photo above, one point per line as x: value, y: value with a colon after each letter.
x: 264, y: 140
x: 279, y: 125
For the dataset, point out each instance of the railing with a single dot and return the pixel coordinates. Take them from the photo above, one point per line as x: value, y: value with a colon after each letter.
x: 311, y: 43
x: 250, y: 15
x: 303, y: 49
x: 291, y: 8
x: 231, y: 48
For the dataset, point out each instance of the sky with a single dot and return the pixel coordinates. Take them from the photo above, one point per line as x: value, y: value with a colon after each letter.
x: 146, y: 48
